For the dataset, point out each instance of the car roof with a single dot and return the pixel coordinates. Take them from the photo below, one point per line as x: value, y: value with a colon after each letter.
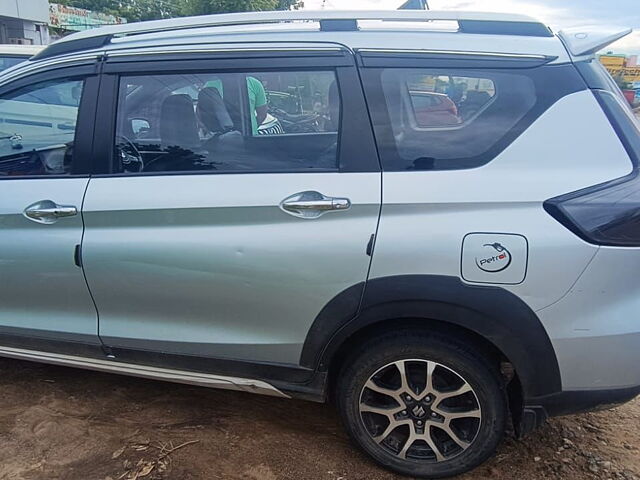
x: 402, y: 29
x: 436, y: 32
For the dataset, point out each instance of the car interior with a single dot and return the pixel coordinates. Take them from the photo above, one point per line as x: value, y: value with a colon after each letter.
x: 183, y: 123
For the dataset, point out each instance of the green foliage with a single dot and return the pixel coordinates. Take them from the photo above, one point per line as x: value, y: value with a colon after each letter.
x: 132, y: 10
x: 204, y: 7
x: 135, y: 10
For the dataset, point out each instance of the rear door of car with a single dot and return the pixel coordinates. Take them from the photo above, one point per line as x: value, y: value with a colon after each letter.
x: 227, y: 241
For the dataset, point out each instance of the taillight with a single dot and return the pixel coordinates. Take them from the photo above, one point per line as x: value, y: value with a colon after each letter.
x: 607, y: 214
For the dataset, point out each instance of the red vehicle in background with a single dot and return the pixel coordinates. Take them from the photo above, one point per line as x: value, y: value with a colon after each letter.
x: 630, y: 95
x: 433, y: 109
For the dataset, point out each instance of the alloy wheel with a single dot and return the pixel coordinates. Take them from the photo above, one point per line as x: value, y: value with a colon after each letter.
x: 420, y: 410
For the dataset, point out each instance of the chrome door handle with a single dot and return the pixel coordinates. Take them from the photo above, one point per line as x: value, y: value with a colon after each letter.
x: 313, y: 204
x: 46, y: 211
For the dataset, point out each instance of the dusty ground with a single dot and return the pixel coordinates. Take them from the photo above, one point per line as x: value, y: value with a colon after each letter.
x: 59, y: 423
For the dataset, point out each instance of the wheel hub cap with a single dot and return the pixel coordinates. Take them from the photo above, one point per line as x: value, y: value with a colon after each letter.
x: 419, y: 412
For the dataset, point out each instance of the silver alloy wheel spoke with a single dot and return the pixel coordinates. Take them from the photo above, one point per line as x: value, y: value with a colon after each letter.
x: 387, y: 412
x: 393, y: 424
x: 455, y: 415
x: 408, y: 443
x: 432, y: 445
x: 449, y: 431
x: 466, y: 388
x: 428, y: 388
x: 412, y: 410
x: 395, y: 394
x: 404, y: 387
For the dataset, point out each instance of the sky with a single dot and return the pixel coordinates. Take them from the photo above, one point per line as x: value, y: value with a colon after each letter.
x: 555, y: 13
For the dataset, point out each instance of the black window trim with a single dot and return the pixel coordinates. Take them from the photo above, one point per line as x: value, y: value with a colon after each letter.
x: 356, y: 146
x: 84, y: 134
x: 419, y: 58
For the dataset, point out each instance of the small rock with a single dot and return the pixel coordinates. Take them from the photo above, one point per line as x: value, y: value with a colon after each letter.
x: 536, y: 459
x: 566, y: 460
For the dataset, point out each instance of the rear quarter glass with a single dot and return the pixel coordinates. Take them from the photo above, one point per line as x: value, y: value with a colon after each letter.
x: 512, y: 99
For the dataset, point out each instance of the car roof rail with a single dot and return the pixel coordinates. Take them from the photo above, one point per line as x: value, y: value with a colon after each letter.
x: 330, y: 20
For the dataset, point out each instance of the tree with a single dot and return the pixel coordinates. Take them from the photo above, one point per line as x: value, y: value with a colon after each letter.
x: 111, y: 7
x: 204, y: 7
x: 136, y: 10
x: 132, y: 10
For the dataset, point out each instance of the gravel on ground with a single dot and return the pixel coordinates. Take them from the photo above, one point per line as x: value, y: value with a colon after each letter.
x: 64, y: 424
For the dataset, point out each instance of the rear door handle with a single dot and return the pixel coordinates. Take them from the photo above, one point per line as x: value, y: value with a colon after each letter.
x: 312, y: 204
x: 46, y: 211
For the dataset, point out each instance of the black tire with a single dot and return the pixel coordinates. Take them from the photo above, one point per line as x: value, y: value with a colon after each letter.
x: 481, y: 435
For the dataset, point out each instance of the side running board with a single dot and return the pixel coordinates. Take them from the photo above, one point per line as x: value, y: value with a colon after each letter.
x: 154, y: 373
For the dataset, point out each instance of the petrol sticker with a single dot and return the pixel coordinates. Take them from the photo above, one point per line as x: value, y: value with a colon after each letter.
x: 494, y: 258
x: 498, y: 258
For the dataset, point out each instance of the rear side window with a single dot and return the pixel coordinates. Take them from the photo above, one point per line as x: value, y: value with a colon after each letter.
x: 284, y: 121
x: 442, y: 119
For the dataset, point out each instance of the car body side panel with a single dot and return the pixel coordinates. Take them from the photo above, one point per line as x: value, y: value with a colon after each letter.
x: 595, y: 329
x: 426, y: 215
x: 43, y: 289
x: 210, y: 265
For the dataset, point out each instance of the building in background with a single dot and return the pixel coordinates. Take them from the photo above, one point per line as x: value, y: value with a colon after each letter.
x: 624, y: 69
x: 626, y: 72
x: 37, y: 22
x: 71, y: 19
x: 24, y: 22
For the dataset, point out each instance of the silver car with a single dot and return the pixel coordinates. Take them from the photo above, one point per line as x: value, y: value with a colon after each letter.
x: 438, y: 271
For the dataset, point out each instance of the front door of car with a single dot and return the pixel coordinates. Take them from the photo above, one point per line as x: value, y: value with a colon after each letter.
x: 46, y: 126
x: 239, y: 199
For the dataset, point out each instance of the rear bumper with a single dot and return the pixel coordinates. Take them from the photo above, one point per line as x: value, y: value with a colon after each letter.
x: 538, y: 410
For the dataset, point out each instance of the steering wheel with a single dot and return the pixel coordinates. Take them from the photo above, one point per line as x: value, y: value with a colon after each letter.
x: 130, y: 157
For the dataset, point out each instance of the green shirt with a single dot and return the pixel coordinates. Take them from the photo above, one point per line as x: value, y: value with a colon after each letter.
x: 256, y: 93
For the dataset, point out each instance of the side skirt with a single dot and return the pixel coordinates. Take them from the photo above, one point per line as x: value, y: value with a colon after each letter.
x: 154, y: 373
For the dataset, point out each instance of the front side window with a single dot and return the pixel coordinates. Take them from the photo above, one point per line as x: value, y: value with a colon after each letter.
x: 227, y: 122
x: 37, y: 128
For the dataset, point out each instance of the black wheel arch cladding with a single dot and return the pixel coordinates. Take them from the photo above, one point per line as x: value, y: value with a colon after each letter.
x: 492, y: 312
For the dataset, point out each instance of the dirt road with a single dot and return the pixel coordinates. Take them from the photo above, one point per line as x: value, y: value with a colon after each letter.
x: 65, y: 424
x: 58, y: 423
